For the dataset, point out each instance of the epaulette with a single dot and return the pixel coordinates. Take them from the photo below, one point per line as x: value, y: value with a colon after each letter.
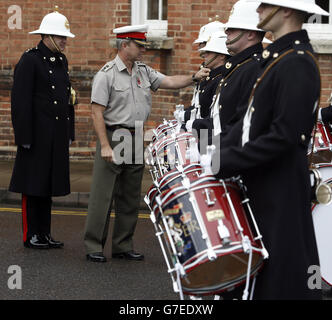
x: 32, y: 49
x: 256, y: 56
x: 108, y: 66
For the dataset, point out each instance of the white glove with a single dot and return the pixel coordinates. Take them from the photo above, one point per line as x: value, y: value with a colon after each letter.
x: 189, y: 125
x: 179, y: 115
x: 206, y: 163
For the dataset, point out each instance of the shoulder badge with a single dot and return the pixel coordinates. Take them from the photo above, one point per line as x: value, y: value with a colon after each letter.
x: 32, y: 49
x: 228, y: 65
x: 108, y: 66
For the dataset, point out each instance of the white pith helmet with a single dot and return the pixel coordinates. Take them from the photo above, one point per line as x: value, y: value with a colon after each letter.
x: 244, y: 16
x: 207, y: 30
x: 217, y: 43
x: 56, y: 24
x: 308, y: 6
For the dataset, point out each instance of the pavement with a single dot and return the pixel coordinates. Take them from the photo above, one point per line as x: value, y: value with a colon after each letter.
x: 80, y: 181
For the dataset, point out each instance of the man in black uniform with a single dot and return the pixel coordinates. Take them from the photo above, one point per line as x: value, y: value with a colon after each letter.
x: 43, y: 122
x: 271, y: 153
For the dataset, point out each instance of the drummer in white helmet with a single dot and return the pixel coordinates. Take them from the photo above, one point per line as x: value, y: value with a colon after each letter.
x: 215, y: 55
x: 206, y: 32
x: 244, y: 42
x: 204, y: 35
x: 43, y: 122
x: 269, y: 151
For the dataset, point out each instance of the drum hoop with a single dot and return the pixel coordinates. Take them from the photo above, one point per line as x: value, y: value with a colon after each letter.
x: 177, y: 174
x: 231, y: 284
x: 236, y: 248
x: 164, y: 201
x: 169, y: 140
x: 323, y: 165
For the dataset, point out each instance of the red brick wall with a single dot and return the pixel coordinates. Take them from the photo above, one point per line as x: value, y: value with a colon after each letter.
x: 92, y: 22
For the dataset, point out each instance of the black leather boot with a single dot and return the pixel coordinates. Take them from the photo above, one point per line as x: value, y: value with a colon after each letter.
x: 53, y: 243
x: 36, y: 242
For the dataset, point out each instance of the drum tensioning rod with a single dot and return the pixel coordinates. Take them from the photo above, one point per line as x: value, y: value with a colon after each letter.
x: 176, y: 284
x: 159, y: 203
x: 179, y: 153
x: 158, y: 162
x: 178, y: 268
x: 259, y: 235
x: 211, y: 253
x: 230, y: 202
x: 159, y: 233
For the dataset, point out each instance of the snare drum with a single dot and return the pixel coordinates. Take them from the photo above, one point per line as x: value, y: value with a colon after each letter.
x: 321, y: 152
x: 208, y: 234
x: 170, y: 151
x: 173, y: 178
x: 322, y: 219
x: 164, y: 129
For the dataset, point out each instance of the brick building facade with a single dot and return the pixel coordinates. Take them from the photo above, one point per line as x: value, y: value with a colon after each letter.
x: 92, y: 21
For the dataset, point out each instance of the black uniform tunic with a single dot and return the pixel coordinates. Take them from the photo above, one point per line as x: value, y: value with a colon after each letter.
x: 206, y: 90
x: 238, y: 76
x: 43, y: 119
x: 274, y: 167
x: 327, y: 114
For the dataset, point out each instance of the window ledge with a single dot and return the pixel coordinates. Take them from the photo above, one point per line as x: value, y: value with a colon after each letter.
x: 320, y: 36
x: 322, y: 46
x: 155, y: 43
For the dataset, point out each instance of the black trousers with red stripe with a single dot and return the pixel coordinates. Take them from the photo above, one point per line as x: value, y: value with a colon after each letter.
x: 36, y: 216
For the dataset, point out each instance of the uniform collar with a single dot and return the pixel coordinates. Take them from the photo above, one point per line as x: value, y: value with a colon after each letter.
x: 119, y: 63
x: 216, y: 71
x: 247, y: 53
x: 48, y: 53
x: 121, y: 66
x: 288, y: 41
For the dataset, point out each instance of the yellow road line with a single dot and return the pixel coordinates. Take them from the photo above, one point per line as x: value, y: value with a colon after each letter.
x: 69, y: 213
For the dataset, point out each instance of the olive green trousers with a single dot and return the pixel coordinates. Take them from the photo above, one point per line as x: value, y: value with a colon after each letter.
x: 113, y: 183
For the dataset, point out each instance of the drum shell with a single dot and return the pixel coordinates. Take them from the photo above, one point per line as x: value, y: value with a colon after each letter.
x: 321, y: 151
x: 170, y: 151
x: 173, y: 178
x: 322, y: 219
x: 205, y: 276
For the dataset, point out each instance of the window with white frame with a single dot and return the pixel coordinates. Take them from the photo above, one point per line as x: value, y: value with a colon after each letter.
x: 320, y: 27
x: 151, y: 12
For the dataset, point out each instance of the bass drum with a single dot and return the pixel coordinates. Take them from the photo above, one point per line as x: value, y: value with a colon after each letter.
x: 322, y: 218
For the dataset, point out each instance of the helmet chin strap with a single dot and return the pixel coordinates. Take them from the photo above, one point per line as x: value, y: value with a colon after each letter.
x: 211, y: 60
x: 268, y: 18
x: 236, y: 39
x: 54, y: 44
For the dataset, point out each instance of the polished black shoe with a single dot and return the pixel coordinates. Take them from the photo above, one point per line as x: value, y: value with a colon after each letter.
x: 36, y: 242
x: 53, y: 243
x: 96, y: 257
x: 130, y: 255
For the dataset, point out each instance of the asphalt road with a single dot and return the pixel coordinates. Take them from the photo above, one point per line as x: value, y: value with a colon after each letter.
x: 62, y: 274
